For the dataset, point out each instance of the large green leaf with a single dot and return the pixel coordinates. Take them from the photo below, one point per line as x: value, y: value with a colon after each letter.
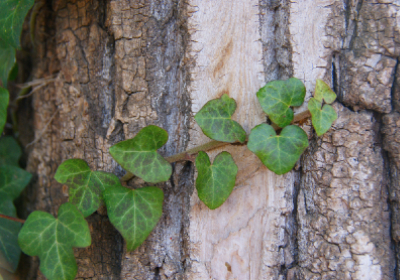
x: 324, y: 92
x: 322, y: 119
x: 12, y: 16
x: 4, y: 98
x: 278, y: 152
x: 139, y: 155
x: 277, y: 97
x: 9, y: 249
x: 215, y: 182
x: 7, y: 61
x: 13, y: 180
x: 52, y: 240
x: 134, y: 213
x: 85, y: 186
x: 10, y: 151
x: 215, y: 121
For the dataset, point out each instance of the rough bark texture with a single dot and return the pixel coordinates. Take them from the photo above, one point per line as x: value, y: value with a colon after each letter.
x: 124, y: 64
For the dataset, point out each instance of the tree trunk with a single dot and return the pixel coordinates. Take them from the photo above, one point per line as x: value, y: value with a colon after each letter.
x: 121, y: 65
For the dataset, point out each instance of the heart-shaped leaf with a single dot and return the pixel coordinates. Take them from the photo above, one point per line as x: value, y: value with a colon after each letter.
x: 134, y: 213
x: 13, y: 180
x: 139, y: 155
x: 7, y: 61
x: 278, y: 152
x: 215, y: 121
x: 322, y: 119
x: 324, y: 92
x: 12, y: 16
x: 9, y: 249
x: 4, y: 98
x: 277, y: 97
x: 10, y: 151
x: 85, y: 186
x: 52, y: 240
x: 215, y: 182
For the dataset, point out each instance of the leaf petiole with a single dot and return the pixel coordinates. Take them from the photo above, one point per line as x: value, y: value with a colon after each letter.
x: 12, y: 218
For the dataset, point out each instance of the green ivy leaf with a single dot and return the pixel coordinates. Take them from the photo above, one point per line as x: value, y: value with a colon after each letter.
x: 10, y: 151
x: 7, y: 61
x: 12, y: 16
x: 52, y: 240
x: 322, y: 119
x: 324, y: 92
x: 13, y: 180
x: 134, y: 213
x: 4, y: 98
x: 277, y: 97
x: 278, y: 152
x: 215, y: 121
x: 85, y: 186
x: 139, y: 155
x: 215, y: 182
x: 9, y: 249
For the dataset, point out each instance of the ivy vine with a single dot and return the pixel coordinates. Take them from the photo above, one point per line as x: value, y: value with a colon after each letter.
x: 135, y: 212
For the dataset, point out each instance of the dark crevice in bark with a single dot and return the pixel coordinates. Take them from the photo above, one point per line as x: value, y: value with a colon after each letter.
x: 274, y: 29
x: 355, y: 32
x: 395, y: 105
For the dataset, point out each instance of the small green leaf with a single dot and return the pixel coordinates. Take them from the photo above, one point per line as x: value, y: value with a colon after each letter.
x: 139, y: 155
x: 324, y: 92
x: 7, y: 61
x: 12, y: 16
x: 134, y: 213
x: 277, y: 97
x: 10, y: 151
x: 215, y: 121
x: 215, y: 182
x: 52, y: 240
x: 13, y: 180
x: 4, y: 98
x: 278, y: 152
x: 9, y: 249
x: 322, y: 119
x: 85, y: 186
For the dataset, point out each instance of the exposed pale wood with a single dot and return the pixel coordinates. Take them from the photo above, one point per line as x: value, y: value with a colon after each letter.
x: 241, y: 239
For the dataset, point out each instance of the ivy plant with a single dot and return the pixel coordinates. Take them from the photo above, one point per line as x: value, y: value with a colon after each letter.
x: 215, y: 120
x: 322, y: 116
x: 277, y: 98
x: 53, y: 239
x: 136, y: 212
x: 139, y: 155
x: 85, y: 186
x: 216, y: 181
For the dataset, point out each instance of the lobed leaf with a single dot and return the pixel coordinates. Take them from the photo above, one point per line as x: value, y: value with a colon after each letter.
x: 85, y: 186
x: 215, y: 121
x: 9, y: 249
x: 10, y: 151
x: 277, y: 97
x: 134, y: 213
x: 139, y: 155
x: 52, y: 240
x: 215, y: 182
x: 13, y: 180
x: 322, y: 119
x: 278, y: 152
x: 7, y: 61
x: 12, y: 16
x: 4, y: 98
x: 324, y: 92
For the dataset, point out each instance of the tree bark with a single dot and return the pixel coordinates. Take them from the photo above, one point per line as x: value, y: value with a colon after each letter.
x: 122, y: 65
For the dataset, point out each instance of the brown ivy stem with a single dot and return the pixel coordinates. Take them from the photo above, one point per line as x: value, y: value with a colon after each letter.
x: 188, y: 154
x: 12, y: 218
